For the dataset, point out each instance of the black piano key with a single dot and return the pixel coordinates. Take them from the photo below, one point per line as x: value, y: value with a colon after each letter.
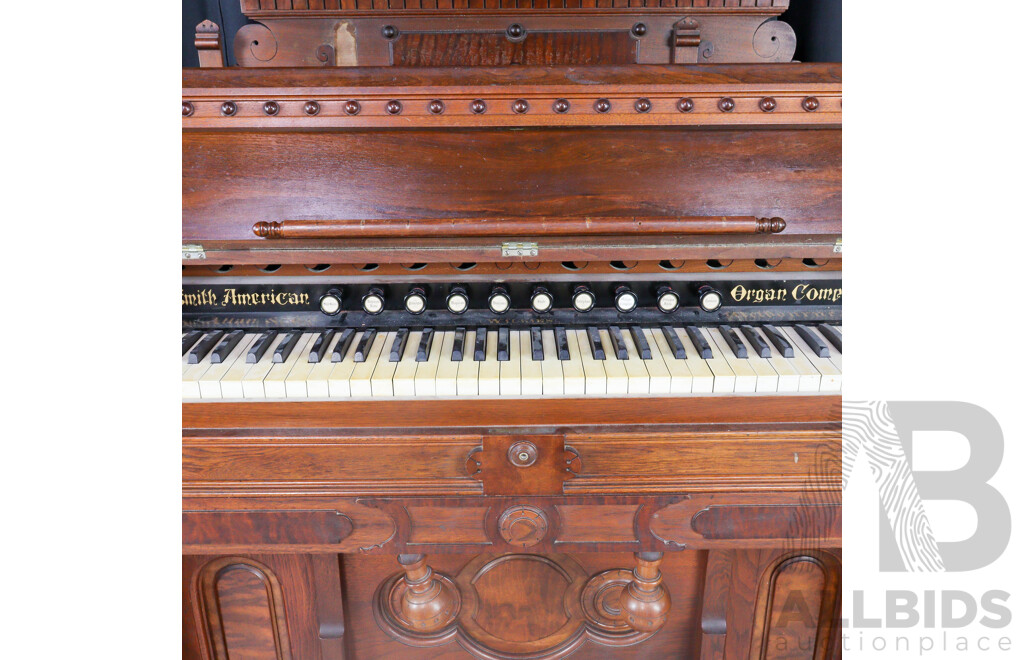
x: 260, y: 346
x: 320, y: 346
x: 596, y: 347
x: 204, y: 346
x: 759, y: 345
x: 398, y: 345
x: 678, y: 350
x: 226, y: 345
x: 562, y: 342
x: 342, y: 345
x: 458, y: 346
x: 480, y: 345
x: 536, y: 345
x: 189, y: 340
x: 503, y: 355
x: 618, y: 343
x: 701, y: 344
x: 287, y: 345
x: 833, y: 336
x: 363, y: 347
x: 738, y: 348
x: 813, y: 340
x: 423, y: 350
x: 640, y: 339
x: 781, y: 342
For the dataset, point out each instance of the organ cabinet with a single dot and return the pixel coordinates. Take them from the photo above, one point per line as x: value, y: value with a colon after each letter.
x: 510, y: 331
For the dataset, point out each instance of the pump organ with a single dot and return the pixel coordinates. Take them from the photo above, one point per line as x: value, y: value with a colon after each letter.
x: 508, y: 361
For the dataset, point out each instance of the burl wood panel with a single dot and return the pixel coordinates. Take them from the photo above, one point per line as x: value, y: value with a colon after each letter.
x: 793, y: 174
x: 495, y: 49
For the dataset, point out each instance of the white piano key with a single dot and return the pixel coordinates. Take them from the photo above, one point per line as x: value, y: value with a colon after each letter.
x: 682, y: 379
x: 252, y: 381
x: 636, y: 368
x: 510, y: 371
x: 661, y: 377
x: 551, y: 366
x: 532, y: 381
x: 359, y: 382
x: 616, y: 380
x: 593, y: 370
x: 573, y: 376
x: 210, y: 383
x: 746, y: 379
x: 705, y: 377
x: 725, y: 377
x: 469, y: 369
x: 490, y: 369
x: 404, y: 380
x: 767, y: 377
x: 381, y: 384
x: 295, y: 381
x: 810, y: 378
x: 231, y: 381
x: 318, y: 380
x: 789, y: 377
x: 426, y: 371
x: 339, y: 382
x: 446, y: 382
x: 274, y: 383
x: 190, y: 377
x: 831, y: 378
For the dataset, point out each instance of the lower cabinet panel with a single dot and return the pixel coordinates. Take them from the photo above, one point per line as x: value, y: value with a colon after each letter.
x: 720, y: 605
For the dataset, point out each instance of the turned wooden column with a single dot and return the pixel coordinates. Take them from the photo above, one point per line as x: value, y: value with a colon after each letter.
x: 644, y: 601
x: 428, y: 604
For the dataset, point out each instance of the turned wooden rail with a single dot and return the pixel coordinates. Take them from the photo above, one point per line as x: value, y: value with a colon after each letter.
x: 504, y: 227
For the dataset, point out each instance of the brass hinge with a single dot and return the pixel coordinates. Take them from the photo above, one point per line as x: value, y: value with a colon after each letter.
x: 838, y: 247
x: 192, y: 251
x: 519, y: 249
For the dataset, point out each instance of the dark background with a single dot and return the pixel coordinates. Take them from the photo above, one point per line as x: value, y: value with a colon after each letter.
x: 818, y: 25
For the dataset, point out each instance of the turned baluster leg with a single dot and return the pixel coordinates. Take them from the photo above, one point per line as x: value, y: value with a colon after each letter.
x: 428, y: 604
x: 645, y: 602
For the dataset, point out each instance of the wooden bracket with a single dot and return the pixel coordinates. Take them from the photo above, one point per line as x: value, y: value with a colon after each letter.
x: 210, y: 45
x: 685, y: 41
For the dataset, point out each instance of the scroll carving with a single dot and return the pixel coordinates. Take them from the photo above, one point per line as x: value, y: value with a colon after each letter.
x: 775, y: 41
x: 255, y: 44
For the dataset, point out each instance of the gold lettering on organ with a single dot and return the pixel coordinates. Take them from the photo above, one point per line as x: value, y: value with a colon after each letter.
x: 235, y: 298
x: 799, y: 293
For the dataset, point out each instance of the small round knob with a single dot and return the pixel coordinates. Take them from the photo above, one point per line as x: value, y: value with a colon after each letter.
x: 389, y: 31
x: 583, y: 299
x: 330, y: 302
x: 561, y: 106
x: 228, y: 108
x: 352, y: 108
x: 271, y: 108
x: 642, y: 105
x: 187, y: 109
x: 393, y: 107
x: 522, y: 454
x: 541, y: 300
x: 726, y: 104
x: 436, y: 107
x: 373, y: 301
x: 625, y: 300
x: 457, y: 300
x: 668, y: 299
x: 767, y: 104
x: 499, y: 301
x: 639, y: 30
x: 810, y: 104
x: 416, y: 300
x: 311, y: 108
x: 478, y: 107
x: 602, y: 105
x: 520, y: 106
x: 515, y: 31
x: 709, y: 299
x: 685, y: 105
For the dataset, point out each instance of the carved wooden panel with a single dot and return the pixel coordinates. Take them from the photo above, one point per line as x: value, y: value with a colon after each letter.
x: 495, y: 49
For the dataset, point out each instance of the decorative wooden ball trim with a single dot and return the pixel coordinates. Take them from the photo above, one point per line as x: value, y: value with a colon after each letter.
x: 393, y: 107
x: 520, y: 106
x: 478, y: 107
x: 271, y: 108
x: 642, y: 105
x: 436, y: 107
x: 685, y: 105
x: 562, y: 106
x: 352, y: 107
x: 810, y: 104
x: 639, y: 30
x: 228, y: 108
x: 311, y: 108
x: 602, y: 105
x: 187, y: 109
x: 767, y: 104
x: 389, y: 31
x: 726, y: 104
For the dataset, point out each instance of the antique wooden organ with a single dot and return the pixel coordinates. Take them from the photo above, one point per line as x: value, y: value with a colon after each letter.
x: 511, y: 330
